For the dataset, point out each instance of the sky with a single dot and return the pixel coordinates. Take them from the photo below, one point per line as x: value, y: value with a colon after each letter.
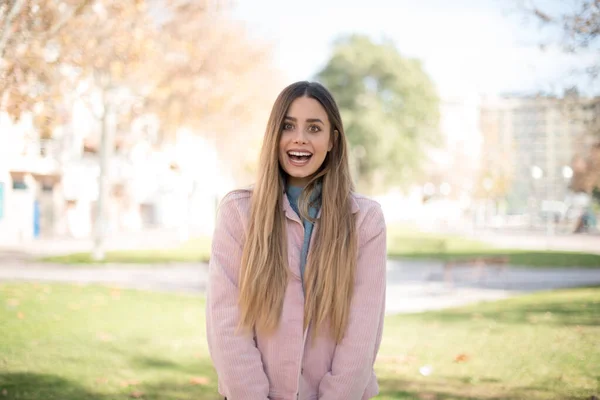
x: 482, y: 47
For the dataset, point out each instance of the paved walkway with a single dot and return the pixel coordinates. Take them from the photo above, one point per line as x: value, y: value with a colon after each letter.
x: 413, y: 286
x: 41, y: 247
x: 419, y: 286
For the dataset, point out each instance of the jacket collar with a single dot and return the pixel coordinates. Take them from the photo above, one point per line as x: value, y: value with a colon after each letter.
x: 290, y: 213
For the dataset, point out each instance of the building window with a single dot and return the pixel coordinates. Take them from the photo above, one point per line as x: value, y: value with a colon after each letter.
x: 19, y: 185
x: 18, y: 181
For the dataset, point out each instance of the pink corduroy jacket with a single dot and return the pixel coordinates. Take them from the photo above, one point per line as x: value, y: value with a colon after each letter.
x: 288, y: 365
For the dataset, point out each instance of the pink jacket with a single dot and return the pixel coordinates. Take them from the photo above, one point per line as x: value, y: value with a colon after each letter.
x: 288, y: 365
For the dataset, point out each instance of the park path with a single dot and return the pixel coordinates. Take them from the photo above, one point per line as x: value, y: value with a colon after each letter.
x: 413, y: 286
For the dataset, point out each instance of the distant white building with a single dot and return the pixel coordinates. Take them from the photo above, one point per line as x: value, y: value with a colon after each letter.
x: 540, y: 136
x: 50, y: 187
x: 28, y: 176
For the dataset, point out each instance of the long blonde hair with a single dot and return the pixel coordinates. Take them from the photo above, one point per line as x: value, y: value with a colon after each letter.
x: 331, y: 264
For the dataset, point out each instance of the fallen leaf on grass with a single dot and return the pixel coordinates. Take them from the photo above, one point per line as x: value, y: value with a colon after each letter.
x: 12, y: 302
x: 200, y: 380
x: 115, y: 294
x: 104, y: 337
x: 102, y: 380
x: 462, y: 357
x: 427, y: 396
x: 20, y: 315
x: 4, y: 392
x: 136, y: 395
x: 131, y: 382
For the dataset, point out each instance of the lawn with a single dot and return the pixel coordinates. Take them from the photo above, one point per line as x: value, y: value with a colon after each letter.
x: 73, y: 342
x: 193, y: 251
x: 402, y: 243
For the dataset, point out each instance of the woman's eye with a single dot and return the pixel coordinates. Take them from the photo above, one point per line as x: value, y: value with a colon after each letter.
x: 314, y: 128
x: 287, y: 126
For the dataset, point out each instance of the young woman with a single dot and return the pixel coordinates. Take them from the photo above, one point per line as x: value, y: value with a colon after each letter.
x: 297, y: 278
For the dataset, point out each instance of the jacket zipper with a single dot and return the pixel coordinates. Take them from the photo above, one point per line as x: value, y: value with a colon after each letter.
x: 300, y: 366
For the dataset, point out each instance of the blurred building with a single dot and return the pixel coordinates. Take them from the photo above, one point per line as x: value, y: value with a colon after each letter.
x: 29, y: 174
x: 529, y: 144
x: 459, y: 158
x: 49, y: 187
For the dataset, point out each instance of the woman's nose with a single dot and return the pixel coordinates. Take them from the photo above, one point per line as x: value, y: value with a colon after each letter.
x: 299, y: 136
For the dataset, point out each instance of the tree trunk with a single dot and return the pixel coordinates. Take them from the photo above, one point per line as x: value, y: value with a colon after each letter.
x: 105, y: 153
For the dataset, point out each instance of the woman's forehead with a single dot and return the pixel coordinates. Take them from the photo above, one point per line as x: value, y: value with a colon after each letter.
x: 306, y: 108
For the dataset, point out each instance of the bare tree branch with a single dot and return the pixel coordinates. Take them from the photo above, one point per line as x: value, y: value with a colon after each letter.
x: 16, y: 8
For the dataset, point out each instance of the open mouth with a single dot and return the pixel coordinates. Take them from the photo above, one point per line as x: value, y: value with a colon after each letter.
x: 299, y: 158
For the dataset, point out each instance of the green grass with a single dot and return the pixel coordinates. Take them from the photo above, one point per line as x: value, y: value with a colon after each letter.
x: 402, y: 243
x: 542, y: 346
x: 193, y: 251
x: 73, y: 342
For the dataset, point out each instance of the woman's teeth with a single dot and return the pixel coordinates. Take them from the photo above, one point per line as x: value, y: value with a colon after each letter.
x: 299, y: 157
x: 299, y: 154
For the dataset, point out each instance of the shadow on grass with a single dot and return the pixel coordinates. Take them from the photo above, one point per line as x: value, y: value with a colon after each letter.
x: 183, y: 390
x: 31, y: 386
x: 467, y: 388
x: 197, y: 379
x: 575, y: 312
x: 431, y: 390
x: 197, y: 367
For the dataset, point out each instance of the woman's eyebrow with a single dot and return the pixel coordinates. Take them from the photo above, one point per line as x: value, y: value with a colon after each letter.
x: 308, y: 120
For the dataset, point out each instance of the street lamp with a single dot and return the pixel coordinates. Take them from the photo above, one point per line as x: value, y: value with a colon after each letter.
x: 567, y: 173
x: 536, y: 172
